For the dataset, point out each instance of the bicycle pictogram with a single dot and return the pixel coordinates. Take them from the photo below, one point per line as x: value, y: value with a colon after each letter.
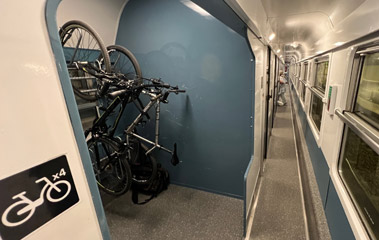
x: 55, y: 192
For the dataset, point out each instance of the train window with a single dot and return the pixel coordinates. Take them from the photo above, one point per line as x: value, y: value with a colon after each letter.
x: 367, y: 102
x: 304, y: 82
x: 316, y: 110
x: 321, y: 75
x: 359, y: 169
x: 303, y: 92
x: 291, y: 72
x: 305, y: 72
x: 318, y: 92
x: 359, y: 159
x: 298, y: 76
x: 298, y: 70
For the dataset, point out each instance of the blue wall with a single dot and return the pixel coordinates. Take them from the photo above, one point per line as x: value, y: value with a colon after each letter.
x: 211, y: 122
x: 337, y: 221
x: 320, y: 166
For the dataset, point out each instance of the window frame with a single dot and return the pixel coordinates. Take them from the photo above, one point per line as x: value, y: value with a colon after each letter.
x: 368, y: 133
x: 304, y: 80
x: 298, y: 74
x: 315, y: 91
x: 322, y: 60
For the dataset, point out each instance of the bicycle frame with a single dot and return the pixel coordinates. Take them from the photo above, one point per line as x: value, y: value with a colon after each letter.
x: 101, y: 120
x: 154, y: 99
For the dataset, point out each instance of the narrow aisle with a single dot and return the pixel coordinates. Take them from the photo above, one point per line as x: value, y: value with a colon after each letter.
x: 279, y: 211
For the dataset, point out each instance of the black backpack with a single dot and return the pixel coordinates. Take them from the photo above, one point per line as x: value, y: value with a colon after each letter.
x: 158, y: 185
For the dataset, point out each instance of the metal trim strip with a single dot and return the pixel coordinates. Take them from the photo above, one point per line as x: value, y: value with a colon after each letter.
x: 369, y: 50
x: 366, y: 132
x: 317, y: 92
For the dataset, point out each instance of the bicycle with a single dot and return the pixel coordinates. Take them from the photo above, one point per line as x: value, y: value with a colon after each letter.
x: 100, y: 71
x: 137, y: 154
x: 112, y: 172
x: 32, y: 205
x: 87, y: 59
x: 81, y: 43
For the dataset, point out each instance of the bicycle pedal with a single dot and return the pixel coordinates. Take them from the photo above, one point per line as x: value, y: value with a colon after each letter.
x: 175, y: 160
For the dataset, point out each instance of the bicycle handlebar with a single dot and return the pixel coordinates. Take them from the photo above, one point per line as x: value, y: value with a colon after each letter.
x: 178, y: 91
x: 117, y: 93
x: 118, y: 80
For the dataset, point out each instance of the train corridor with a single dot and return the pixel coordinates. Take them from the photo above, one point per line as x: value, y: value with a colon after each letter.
x: 279, y: 211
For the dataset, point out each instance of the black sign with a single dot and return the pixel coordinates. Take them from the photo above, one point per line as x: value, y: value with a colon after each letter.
x: 33, y: 197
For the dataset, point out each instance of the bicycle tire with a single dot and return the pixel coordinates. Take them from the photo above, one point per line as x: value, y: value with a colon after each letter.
x: 128, y: 65
x: 65, y: 33
x: 133, y: 150
x: 145, y: 170
x: 114, y: 175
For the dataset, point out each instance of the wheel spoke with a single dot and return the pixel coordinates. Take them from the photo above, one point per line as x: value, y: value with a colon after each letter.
x: 114, y: 174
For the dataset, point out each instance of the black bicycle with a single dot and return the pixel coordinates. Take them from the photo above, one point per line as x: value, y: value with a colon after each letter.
x: 132, y: 147
x: 88, y: 59
x: 113, y: 74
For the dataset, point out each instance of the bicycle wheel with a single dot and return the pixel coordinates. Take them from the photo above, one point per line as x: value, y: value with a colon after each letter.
x: 82, y: 44
x: 124, y: 62
x: 145, y: 169
x: 112, y: 171
x: 133, y: 150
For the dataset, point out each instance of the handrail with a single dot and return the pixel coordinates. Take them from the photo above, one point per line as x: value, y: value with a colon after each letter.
x: 369, y: 50
x: 317, y: 92
x: 365, y: 131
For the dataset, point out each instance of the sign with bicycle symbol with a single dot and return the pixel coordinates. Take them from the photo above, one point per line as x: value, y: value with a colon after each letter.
x: 31, y: 198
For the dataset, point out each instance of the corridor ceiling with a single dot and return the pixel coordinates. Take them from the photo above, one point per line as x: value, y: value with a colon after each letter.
x: 300, y: 25
x: 303, y: 28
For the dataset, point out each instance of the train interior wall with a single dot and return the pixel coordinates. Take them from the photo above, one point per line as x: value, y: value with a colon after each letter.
x: 212, y: 122
x: 219, y: 123
x: 213, y: 61
x: 338, y: 223
x: 192, y: 50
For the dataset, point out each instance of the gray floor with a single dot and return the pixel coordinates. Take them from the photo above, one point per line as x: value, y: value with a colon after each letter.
x: 279, y: 210
x: 318, y: 226
x: 177, y: 213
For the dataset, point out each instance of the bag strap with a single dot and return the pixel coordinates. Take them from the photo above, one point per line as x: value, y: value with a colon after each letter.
x: 135, y: 198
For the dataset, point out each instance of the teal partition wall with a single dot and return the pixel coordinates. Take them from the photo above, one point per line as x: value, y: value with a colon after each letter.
x: 212, y: 122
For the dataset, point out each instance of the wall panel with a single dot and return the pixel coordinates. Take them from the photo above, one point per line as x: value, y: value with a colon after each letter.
x: 186, y: 46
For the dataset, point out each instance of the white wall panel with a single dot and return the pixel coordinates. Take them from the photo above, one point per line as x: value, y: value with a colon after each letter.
x: 101, y: 15
x: 35, y: 126
x: 337, y: 77
x: 259, y: 51
x: 364, y: 20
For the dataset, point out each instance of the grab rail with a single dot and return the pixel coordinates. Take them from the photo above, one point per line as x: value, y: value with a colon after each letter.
x: 368, y: 133
x: 316, y: 91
